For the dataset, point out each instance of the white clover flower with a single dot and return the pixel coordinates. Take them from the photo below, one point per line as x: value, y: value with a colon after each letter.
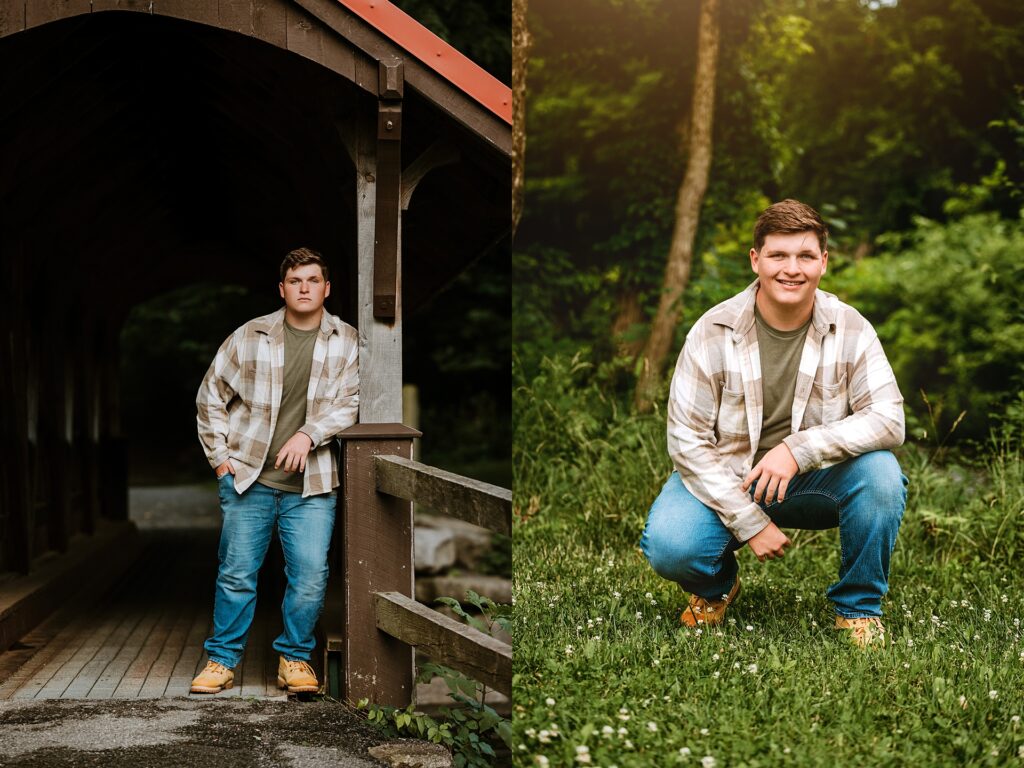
x: 623, y: 717
x: 715, y: 657
x: 639, y: 615
x: 652, y: 726
x: 530, y: 732
x: 616, y: 595
x: 910, y: 642
x: 544, y: 737
x: 622, y: 731
x: 607, y: 730
x: 627, y: 744
x: 549, y: 701
x: 648, y: 595
x: 568, y: 650
x: 541, y: 761
x: 814, y: 623
x: 599, y: 620
x: 786, y: 751
x: 657, y: 662
x: 993, y: 694
x: 716, y: 674
x: 707, y: 761
x: 1015, y: 719
x: 657, y: 617
x: 684, y: 752
x: 752, y: 669
x: 749, y: 628
x: 582, y: 749
x: 963, y: 701
x: 704, y: 732
x: 906, y: 665
x: 736, y: 665
x: 623, y: 711
x: 584, y: 756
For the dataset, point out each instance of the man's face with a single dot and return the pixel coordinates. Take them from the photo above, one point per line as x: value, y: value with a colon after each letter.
x: 304, y: 289
x: 790, y: 266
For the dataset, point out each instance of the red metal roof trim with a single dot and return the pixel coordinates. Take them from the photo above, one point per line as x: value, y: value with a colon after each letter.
x: 435, y: 53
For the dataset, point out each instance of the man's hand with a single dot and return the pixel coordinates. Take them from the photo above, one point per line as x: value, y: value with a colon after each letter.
x: 769, y: 543
x: 772, y: 474
x: 225, y: 469
x: 293, y: 453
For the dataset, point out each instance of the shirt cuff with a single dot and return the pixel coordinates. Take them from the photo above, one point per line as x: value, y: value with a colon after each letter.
x: 750, y: 522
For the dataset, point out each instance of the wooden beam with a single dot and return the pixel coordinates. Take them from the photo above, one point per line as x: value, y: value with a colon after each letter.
x: 446, y: 641
x: 441, y: 152
x: 445, y: 492
x: 387, y: 222
x: 380, y: 343
x: 374, y: 541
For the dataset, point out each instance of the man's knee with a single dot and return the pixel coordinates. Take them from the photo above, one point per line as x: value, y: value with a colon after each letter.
x: 680, y: 537
x: 880, y: 486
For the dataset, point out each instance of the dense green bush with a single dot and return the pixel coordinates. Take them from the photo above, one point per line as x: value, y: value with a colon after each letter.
x: 947, y: 302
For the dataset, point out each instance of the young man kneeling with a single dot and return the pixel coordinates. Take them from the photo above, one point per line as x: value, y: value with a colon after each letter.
x: 782, y: 413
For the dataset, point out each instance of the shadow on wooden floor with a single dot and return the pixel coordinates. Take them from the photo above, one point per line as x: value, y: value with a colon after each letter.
x: 144, y: 638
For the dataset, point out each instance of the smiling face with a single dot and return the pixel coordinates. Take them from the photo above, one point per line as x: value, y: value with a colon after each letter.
x: 789, y: 267
x: 304, y: 290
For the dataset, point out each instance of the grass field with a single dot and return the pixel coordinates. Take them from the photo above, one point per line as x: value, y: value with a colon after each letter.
x: 605, y: 675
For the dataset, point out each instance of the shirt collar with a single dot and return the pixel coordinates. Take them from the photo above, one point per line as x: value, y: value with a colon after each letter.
x: 738, y: 312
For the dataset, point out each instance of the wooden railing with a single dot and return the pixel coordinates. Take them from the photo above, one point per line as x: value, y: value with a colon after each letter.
x: 372, y: 623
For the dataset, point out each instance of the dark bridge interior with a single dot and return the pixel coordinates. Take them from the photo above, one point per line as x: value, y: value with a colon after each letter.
x: 139, y: 154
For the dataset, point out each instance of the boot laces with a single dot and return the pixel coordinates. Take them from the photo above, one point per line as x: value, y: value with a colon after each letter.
x: 299, y: 666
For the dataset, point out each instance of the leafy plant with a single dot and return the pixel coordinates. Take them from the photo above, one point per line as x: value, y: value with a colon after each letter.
x: 472, y: 729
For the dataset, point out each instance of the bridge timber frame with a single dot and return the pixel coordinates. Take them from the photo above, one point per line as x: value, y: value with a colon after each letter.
x: 415, y: 111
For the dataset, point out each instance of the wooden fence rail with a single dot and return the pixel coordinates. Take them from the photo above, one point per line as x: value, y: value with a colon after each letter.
x: 372, y: 623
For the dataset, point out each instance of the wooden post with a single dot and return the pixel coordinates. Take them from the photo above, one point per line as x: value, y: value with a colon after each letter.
x: 53, y: 449
x: 373, y: 552
x: 16, y: 493
x: 113, y: 463
x: 380, y: 341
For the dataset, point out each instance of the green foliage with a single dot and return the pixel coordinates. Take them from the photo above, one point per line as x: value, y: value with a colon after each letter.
x: 947, y: 305
x: 478, y: 29
x: 473, y: 729
x: 603, y: 669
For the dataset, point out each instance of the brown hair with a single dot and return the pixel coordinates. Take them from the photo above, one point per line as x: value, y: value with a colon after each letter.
x: 301, y: 257
x: 786, y: 217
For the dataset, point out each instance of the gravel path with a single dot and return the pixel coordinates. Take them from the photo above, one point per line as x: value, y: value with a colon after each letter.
x: 182, y: 732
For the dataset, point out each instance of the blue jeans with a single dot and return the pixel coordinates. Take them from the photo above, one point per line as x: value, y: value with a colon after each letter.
x: 686, y: 542
x: 304, y: 527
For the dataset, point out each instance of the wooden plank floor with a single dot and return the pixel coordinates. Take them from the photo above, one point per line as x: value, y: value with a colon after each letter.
x: 144, y: 639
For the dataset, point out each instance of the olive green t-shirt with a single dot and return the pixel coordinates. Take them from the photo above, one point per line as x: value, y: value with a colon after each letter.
x: 780, y: 353
x: 298, y: 359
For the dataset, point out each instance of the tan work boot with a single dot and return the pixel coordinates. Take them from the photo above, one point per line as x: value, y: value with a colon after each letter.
x: 296, y: 676
x: 213, y: 679
x: 863, y: 632
x: 708, y: 612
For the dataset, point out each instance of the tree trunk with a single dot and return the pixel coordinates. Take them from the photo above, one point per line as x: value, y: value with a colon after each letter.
x: 520, y: 56
x: 688, y: 202
x: 627, y: 315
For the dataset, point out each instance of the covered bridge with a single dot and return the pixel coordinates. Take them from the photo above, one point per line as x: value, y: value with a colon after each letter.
x: 145, y: 143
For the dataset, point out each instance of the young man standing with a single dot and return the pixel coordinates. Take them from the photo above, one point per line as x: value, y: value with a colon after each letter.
x: 781, y: 414
x: 279, y: 390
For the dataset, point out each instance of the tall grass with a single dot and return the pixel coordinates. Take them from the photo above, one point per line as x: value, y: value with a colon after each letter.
x: 605, y: 675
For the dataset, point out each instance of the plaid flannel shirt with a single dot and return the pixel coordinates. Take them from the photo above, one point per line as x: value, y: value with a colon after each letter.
x: 240, y: 397
x: 846, y: 402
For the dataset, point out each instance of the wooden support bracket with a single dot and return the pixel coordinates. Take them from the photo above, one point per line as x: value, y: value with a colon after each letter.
x: 389, y: 188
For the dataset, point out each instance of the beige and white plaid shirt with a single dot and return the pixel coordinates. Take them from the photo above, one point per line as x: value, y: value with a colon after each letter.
x: 240, y: 396
x: 846, y: 402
